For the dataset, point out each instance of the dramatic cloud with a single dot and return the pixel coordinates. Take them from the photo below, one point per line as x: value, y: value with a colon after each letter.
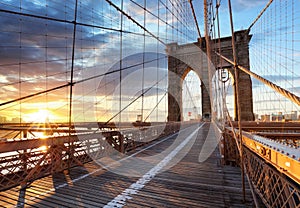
x: 137, y: 70
x: 36, y: 52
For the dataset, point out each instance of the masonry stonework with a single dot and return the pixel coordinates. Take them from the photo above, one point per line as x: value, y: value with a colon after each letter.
x: 183, y: 58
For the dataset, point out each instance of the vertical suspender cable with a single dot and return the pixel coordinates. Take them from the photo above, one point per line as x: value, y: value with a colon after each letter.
x: 143, y: 66
x: 157, y: 57
x: 216, y: 83
x: 20, y: 67
x: 237, y: 97
x: 166, y: 38
x: 46, y: 64
x: 221, y: 62
x: 206, y: 30
x: 293, y: 44
x: 121, y: 65
x: 71, y: 78
x: 207, y: 41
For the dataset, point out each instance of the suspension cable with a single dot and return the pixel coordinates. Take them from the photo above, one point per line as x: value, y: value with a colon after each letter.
x: 260, y: 14
x: 190, y: 94
x: 195, y: 18
x: 72, y: 67
x: 67, y: 21
x: 294, y: 98
x: 135, y: 21
x: 76, y: 82
x: 235, y: 64
x: 156, y: 106
x: 133, y: 101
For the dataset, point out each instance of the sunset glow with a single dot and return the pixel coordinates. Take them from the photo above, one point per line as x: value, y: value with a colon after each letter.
x: 41, y: 116
x: 43, y: 148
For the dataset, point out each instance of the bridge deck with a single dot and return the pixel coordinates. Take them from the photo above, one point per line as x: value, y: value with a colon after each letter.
x: 189, y: 183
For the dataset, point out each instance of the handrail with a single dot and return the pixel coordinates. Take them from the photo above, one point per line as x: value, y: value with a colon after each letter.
x: 284, y: 158
x: 22, y: 161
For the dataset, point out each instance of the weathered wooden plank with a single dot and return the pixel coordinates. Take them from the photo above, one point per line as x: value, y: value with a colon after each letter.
x: 194, y: 184
x: 186, y: 184
x: 67, y: 198
x: 6, y: 200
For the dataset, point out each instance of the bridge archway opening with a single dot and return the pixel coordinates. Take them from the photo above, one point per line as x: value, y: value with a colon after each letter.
x: 191, y: 96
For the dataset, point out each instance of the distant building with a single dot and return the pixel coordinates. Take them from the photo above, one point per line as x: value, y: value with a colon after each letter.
x: 278, y: 117
x: 16, y: 120
x: 139, y: 118
x: 3, y: 119
x: 291, y: 117
x: 265, y: 118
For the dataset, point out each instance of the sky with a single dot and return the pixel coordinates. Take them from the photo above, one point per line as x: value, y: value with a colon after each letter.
x: 244, y: 13
x: 36, y: 55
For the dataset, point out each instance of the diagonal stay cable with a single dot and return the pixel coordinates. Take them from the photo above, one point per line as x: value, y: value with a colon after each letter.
x: 260, y: 14
x: 195, y: 18
x: 133, y: 101
x: 294, y: 98
x: 35, y: 94
x: 190, y: 94
x: 75, y: 82
x: 156, y: 106
x: 133, y: 20
x: 66, y: 21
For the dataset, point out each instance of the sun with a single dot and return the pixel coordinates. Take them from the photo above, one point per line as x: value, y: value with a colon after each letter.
x: 41, y: 116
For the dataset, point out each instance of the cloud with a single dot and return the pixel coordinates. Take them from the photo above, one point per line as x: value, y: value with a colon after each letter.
x: 3, y: 79
x: 9, y: 88
x: 132, y: 73
x: 248, y: 4
x: 33, y: 50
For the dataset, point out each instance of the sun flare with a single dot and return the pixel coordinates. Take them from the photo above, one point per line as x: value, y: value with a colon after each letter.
x: 41, y: 116
x: 43, y: 148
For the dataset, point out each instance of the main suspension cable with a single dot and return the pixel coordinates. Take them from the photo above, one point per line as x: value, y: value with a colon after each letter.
x: 260, y: 14
x: 294, y: 98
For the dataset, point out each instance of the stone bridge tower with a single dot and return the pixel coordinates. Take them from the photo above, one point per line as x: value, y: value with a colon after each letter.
x: 183, y: 58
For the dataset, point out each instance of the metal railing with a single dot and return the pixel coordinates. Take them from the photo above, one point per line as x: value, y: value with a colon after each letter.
x: 273, y: 166
x: 274, y: 187
x: 23, y: 161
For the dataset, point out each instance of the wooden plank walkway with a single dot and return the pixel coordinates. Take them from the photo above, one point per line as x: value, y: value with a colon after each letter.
x: 188, y: 183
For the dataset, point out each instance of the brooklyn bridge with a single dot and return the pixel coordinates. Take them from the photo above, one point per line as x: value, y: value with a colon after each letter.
x: 139, y: 103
